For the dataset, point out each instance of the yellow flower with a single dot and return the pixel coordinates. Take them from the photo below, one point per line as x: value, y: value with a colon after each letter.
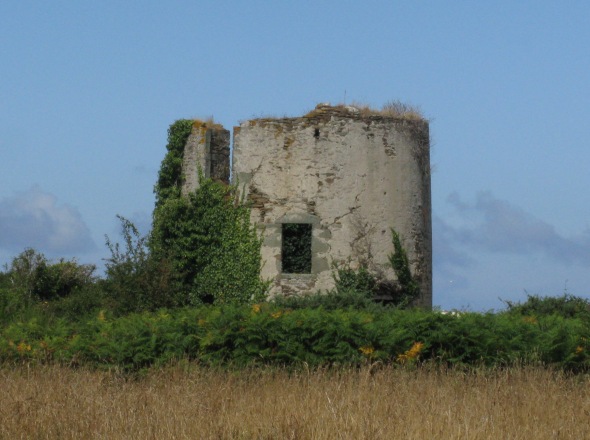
x: 276, y: 315
x: 415, y: 350
x: 367, y: 350
x: 579, y: 349
x: 412, y: 353
x: 22, y: 347
x: 101, y: 316
x: 256, y: 308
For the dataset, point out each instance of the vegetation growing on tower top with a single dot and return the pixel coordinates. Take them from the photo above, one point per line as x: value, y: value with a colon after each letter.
x: 392, y: 109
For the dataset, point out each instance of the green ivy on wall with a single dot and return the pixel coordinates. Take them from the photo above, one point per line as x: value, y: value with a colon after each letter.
x: 206, y: 236
x: 170, y: 176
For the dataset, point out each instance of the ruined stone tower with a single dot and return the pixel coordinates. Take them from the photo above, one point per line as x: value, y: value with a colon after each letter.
x: 326, y: 189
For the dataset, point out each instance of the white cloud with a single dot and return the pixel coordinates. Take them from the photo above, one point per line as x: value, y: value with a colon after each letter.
x: 34, y: 218
x: 488, y: 248
x: 495, y: 225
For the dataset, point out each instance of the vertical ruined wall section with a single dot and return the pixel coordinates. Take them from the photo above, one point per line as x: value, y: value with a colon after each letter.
x: 207, y: 149
x: 219, y: 155
x: 351, y: 177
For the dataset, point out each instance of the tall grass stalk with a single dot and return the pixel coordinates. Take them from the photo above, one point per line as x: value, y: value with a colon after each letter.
x: 186, y: 401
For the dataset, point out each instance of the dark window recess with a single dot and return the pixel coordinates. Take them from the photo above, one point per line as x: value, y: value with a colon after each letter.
x: 296, y: 252
x: 213, y: 165
x: 316, y: 133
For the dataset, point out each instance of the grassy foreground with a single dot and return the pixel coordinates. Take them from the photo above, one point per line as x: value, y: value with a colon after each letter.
x: 186, y: 401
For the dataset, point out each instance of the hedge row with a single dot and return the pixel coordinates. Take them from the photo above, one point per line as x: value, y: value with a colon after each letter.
x: 265, y: 334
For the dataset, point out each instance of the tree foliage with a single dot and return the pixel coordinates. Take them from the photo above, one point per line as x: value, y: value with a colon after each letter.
x: 31, y: 282
x: 567, y: 306
x: 135, y: 280
x: 36, y: 278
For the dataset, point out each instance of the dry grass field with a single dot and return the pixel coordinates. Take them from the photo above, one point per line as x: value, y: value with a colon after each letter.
x: 371, y: 403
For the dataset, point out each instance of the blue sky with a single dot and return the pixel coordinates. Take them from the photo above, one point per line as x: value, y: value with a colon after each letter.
x: 88, y: 90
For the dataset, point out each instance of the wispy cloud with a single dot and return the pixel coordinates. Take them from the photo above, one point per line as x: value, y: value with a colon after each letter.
x: 446, y: 252
x: 34, y: 218
x: 447, y: 257
x: 485, y: 248
x: 494, y: 225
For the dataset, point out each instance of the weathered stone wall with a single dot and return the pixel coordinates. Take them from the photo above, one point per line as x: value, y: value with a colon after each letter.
x: 207, y: 148
x: 219, y: 148
x: 352, y: 177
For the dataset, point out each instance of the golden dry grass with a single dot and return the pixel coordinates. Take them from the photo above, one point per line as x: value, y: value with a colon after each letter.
x: 208, y: 122
x: 386, y: 403
x: 392, y: 109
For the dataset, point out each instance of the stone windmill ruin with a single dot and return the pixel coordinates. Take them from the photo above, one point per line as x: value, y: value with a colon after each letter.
x: 326, y: 189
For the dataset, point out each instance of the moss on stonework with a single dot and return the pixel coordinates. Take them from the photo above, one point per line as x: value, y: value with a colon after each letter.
x: 207, y: 124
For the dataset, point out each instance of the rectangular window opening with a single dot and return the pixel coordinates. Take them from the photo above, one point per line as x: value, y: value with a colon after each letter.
x: 296, y: 248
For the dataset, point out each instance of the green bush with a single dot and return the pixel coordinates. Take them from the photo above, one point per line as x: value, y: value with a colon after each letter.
x: 330, y: 300
x: 353, y: 289
x: 12, y: 305
x: 265, y: 334
x: 360, y: 281
x: 135, y: 279
x: 36, y: 278
x: 76, y: 307
x: 567, y: 306
x: 31, y: 283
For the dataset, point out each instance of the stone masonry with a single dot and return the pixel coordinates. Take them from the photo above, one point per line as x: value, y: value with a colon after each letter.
x: 207, y: 148
x: 350, y: 176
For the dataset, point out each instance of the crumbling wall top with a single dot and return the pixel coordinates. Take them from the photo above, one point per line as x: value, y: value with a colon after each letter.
x: 324, y: 112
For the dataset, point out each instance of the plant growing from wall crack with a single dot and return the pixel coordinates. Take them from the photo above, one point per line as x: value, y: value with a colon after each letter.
x: 401, y: 265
